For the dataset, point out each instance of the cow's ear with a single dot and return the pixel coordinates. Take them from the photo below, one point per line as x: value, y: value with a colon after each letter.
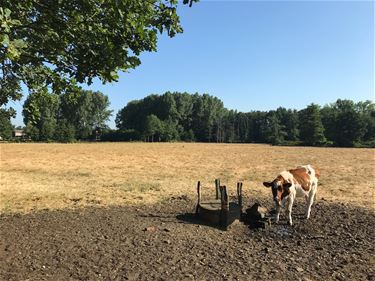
x: 287, y: 185
x: 267, y: 184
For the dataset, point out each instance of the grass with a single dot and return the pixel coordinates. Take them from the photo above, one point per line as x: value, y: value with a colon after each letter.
x: 56, y: 176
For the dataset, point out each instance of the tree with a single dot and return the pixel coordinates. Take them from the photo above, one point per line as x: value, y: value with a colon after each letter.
x: 84, y: 110
x: 65, y: 117
x: 153, y: 127
x: 58, y: 43
x: 187, y: 117
x: 184, y: 107
x: 188, y: 136
x: 40, y: 115
x: 130, y: 117
x: 257, y: 124
x: 228, y: 125
x: 206, y: 111
x: 273, y: 130
x: 99, y: 109
x: 165, y: 107
x: 367, y: 111
x: 6, y: 127
x: 183, y: 115
x: 347, y: 123
x: 65, y: 132
x: 289, y: 121
x: 349, y: 127
x: 169, y: 131
x: 311, y: 127
x: 328, y: 115
x: 243, y: 123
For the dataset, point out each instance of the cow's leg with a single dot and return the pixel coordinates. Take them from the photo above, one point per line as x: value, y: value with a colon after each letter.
x: 310, y: 200
x: 277, y: 214
x: 308, y: 207
x: 289, y: 209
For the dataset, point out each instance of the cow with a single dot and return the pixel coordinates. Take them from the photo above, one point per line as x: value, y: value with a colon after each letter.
x: 301, y: 181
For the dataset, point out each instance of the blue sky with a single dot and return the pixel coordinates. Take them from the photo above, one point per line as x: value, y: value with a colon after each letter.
x: 258, y: 56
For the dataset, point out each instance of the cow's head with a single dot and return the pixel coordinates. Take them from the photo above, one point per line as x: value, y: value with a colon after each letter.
x: 280, y: 189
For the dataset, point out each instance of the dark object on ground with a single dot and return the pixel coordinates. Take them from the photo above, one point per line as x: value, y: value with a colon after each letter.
x: 257, y: 216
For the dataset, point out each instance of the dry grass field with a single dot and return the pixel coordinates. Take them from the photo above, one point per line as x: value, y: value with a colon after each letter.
x: 57, y: 176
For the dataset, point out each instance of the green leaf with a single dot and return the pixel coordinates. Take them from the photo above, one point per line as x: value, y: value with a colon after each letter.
x: 114, y: 75
x: 7, y: 12
x: 5, y: 40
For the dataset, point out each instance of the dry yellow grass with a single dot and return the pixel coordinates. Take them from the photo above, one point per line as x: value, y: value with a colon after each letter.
x: 55, y: 176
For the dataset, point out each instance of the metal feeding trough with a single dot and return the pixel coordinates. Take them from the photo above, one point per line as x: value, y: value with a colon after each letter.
x: 219, y: 211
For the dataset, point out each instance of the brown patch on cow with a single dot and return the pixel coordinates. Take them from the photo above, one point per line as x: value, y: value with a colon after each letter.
x: 301, y: 177
x: 280, y: 179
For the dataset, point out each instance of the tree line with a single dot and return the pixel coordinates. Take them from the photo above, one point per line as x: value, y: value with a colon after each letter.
x: 68, y: 117
x: 203, y: 118
x: 81, y: 115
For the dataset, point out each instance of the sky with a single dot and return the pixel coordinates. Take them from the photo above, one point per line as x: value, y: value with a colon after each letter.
x: 257, y: 55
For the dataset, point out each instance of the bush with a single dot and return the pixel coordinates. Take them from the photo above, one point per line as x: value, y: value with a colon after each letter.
x: 64, y: 132
x: 365, y: 144
x: 120, y: 135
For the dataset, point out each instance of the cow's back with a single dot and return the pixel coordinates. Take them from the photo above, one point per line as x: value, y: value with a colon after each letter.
x: 301, y: 177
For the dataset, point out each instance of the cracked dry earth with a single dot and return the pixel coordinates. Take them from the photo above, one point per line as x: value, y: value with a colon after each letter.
x: 165, y: 242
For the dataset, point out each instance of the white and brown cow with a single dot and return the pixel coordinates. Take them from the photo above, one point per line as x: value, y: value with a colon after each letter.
x: 302, y: 181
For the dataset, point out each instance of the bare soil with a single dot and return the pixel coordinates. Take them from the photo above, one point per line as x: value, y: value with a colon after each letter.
x: 165, y: 242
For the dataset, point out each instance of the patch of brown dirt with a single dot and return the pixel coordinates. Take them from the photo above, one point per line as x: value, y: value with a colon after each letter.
x: 154, y: 243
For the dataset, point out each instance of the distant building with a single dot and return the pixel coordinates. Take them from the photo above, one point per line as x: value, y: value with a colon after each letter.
x: 19, y: 133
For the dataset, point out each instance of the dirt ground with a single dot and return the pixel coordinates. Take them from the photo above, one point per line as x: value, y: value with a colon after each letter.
x: 337, y: 243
